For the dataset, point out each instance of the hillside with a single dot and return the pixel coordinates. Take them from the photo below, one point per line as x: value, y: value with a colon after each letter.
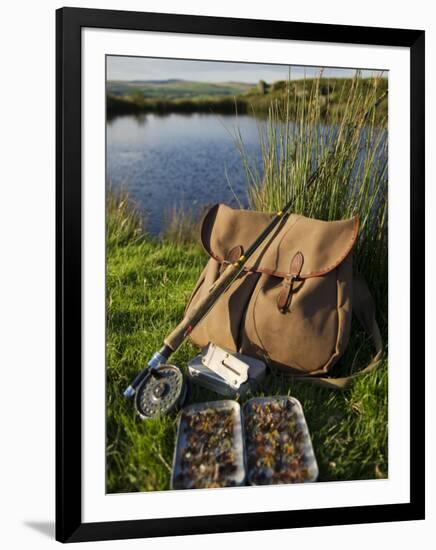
x: 179, y: 96
x: 174, y: 88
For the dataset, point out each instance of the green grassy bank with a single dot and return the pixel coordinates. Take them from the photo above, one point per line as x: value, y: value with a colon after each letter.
x: 148, y: 283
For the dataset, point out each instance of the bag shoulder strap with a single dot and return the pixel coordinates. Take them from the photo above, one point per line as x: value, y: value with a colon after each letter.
x: 364, y: 309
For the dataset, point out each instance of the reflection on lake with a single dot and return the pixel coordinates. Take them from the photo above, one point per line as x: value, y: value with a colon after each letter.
x: 179, y: 160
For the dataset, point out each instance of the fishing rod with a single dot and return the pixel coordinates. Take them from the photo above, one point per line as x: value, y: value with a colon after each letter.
x: 174, y: 340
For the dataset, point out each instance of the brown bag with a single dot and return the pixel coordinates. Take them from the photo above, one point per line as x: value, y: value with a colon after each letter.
x: 292, y: 304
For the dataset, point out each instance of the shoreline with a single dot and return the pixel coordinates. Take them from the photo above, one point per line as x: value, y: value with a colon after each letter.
x: 329, y: 93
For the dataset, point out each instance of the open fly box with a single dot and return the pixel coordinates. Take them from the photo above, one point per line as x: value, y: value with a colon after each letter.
x: 267, y: 443
x: 278, y: 447
x: 209, y: 448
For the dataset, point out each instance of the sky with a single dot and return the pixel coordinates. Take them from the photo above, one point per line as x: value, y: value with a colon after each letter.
x: 143, y: 68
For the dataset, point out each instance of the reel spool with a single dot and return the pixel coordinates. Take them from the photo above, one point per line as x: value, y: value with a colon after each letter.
x: 163, y: 391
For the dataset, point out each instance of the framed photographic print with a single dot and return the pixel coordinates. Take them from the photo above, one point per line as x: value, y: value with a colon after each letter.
x: 240, y: 332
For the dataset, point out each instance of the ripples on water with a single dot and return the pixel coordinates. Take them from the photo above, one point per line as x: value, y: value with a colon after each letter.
x: 179, y: 161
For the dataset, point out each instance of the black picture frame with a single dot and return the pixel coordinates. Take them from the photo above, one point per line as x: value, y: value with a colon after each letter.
x: 69, y: 525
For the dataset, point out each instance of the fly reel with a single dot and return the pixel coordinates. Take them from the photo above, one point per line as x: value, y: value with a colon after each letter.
x: 163, y: 391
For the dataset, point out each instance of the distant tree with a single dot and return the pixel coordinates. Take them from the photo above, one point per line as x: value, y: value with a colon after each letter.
x: 137, y: 96
x: 279, y: 85
x: 325, y: 89
x: 262, y: 87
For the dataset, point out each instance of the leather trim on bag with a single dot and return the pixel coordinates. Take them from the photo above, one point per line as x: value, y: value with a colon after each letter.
x: 208, y: 226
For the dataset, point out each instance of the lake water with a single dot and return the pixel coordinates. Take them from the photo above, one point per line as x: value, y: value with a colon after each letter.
x: 179, y: 161
x: 183, y: 161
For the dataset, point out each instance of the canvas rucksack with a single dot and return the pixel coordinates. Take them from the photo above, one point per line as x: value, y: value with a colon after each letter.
x: 292, y: 305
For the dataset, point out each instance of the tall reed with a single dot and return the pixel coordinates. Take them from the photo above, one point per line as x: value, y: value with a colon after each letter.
x: 349, y: 148
x: 124, y: 221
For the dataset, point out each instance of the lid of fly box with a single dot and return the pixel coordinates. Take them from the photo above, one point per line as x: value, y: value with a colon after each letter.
x: 205, y: 376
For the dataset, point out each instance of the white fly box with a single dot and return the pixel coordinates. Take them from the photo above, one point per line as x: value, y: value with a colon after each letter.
x: 278, y: 446
x: 226, y: 373
x: 209, y: 451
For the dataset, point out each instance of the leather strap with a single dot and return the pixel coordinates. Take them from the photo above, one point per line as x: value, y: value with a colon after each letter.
x: 285, y: 296
x: 364, y: 309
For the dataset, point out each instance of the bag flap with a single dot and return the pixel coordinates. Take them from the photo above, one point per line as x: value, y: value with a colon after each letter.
x: 324, y: 245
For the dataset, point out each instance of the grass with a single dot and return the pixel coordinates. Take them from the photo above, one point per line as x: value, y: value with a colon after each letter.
x: 148, y: 283
x: 181, y: 227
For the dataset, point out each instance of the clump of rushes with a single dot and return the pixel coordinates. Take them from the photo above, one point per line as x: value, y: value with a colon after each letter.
x: 124, y: 222
x: 182, y: 226
x: 304, y: 131
x: 208, y: 458
x: 274, y: 443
